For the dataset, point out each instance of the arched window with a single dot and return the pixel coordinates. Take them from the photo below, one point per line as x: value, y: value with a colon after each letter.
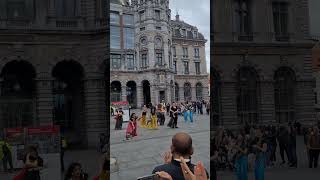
x: 176, y: 86
x: 187, y: 92
x: 216, y: 99
x: 199, y: 94
x: 284, y: 88
x: 247, y: 98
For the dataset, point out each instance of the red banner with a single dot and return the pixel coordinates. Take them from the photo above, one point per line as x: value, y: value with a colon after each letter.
x: 120, y: 103
x: 44, y: 130
x: 13, y: 130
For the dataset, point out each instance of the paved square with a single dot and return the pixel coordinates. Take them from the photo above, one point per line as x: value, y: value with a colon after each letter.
x: 139, y: 156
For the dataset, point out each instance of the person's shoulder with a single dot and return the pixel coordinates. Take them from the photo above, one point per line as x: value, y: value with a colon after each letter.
x: 163, y: 167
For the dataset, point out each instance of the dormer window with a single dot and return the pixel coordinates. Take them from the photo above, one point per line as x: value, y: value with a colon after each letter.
x: 184, y: 32
x: 195, y: 34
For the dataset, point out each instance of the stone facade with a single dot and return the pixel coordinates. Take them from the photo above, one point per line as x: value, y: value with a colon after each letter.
x: 44, y: 39
x: 155, y: 37
x: 264, y: 53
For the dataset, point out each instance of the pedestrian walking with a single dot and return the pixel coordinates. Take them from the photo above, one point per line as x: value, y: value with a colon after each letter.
x: 6, y: 155
x: 314, y: 147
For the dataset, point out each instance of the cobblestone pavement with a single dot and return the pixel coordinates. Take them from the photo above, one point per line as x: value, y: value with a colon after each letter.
x: 139, y: 156
x: 283, y: 172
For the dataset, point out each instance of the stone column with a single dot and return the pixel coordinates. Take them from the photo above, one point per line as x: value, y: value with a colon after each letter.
x: 193, y: 93
x: 154, y: 93
x: 139, y: 96
x: 123, y: 93
x: 95, y: 110
x: 44, y: 101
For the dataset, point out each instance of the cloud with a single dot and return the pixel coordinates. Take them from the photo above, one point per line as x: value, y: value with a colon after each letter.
x: 195, y: 13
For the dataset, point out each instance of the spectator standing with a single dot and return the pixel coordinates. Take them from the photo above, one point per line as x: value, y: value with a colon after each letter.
x: 6, y: 155
x: 314, y: 147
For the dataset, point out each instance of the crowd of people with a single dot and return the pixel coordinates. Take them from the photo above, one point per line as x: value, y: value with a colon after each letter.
x: 256, y: 148
x: 154, y: 116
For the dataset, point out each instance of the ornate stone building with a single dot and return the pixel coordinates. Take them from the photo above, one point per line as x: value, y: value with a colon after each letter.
x: 150, y: 60
x: 262, y: 65
x: 52, y: 59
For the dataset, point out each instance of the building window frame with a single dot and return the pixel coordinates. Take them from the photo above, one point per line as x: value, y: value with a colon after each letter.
x: 115, y: 61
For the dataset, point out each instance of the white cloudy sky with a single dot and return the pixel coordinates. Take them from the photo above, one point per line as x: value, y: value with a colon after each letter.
x: 195, y: 13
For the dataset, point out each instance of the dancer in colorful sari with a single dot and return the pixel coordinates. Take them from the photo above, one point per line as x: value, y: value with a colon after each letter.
x: 153, y: 123
x: 144, y: 117
x: 241, y: 164
x: 260, y: 149
x: 132, y: 127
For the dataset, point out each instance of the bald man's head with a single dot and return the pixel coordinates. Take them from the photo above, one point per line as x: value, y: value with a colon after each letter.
x: 182, y: 144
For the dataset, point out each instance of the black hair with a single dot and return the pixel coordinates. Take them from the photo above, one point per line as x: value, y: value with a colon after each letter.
x: 70, y: 170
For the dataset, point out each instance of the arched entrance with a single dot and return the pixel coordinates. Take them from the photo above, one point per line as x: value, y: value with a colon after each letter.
x: 187, y: 91
x: 68, y: 99
x: 17, y: 102
x: 146, y: 92
x: 247, y: 97
x: 284, y: 94
x: 132, y: 93
x: 115, y: 91
x: 176, y: 91
x: 199, y: 94
x: 172, y: 91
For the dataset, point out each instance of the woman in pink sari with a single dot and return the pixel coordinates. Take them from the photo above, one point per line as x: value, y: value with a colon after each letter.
x: 132, y: 127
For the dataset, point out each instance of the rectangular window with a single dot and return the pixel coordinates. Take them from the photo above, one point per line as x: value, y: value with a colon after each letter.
x: 175, y: 66
x: 128, y: 20
x: 130, y: 60
x: 197, y: 66
x: 280, y: 20
x: 144, y: 60
x: 66, y: 8
x: 114, y: 18
x: 141, y: 15
x: 16, y: 9
x: 115, y: 61
x: 185, y: 52
x: 114, y: 37
x: 174, y: 51
x: 196, y: 53
x: 186, y: 67
x: 158, y: 28
x: 129, y: 38
x: 157, y: 14
x: 142, y: 29
x: 242, y: 19
x: 159, y: 59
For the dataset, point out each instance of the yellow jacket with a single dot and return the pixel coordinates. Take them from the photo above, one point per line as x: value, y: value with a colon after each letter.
x: 1, y: 144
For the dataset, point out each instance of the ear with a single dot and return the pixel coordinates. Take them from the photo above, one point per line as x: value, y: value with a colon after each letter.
x: 191, y: 151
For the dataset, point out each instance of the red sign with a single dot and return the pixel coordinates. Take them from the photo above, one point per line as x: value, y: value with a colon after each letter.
x: 120, y: 103
x: 44, y: 130
x: 14, y: 130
